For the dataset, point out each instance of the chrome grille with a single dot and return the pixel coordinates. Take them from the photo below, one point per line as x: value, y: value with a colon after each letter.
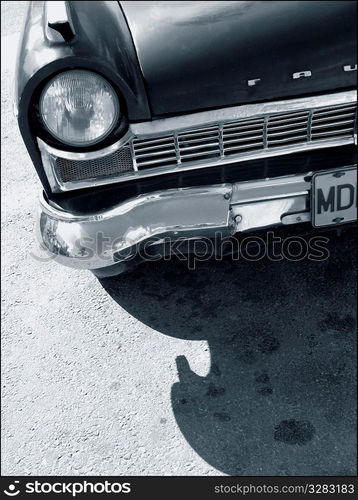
x: 285, y: 129
x: 243, y: 136
x: 155, y: 151
x: 193, y: 145
x: 234, y: 138
x: 335, y: 122
x: 116, y: 163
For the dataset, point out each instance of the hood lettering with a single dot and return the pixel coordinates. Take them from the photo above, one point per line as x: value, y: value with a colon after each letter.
x: 301, y: 74
x: 350, y: 68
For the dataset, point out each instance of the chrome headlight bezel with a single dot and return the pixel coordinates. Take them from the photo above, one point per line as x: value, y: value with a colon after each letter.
x: 116, y: 122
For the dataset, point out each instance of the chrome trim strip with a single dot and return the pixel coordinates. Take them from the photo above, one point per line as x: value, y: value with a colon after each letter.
x: 191, y: 121
x: 89, y: 155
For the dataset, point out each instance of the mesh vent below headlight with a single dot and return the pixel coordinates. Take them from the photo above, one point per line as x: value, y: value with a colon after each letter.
x: 111, y: 165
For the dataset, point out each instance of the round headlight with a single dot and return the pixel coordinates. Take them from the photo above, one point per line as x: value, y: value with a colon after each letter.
x: 79, y: 108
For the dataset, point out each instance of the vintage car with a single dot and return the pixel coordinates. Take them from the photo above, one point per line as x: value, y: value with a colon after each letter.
x: 150, y: 122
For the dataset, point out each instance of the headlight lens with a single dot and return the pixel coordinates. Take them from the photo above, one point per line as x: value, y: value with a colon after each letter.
x: 79, y: 108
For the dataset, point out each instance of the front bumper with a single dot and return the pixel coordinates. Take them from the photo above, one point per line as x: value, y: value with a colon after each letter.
x: 96, y: 241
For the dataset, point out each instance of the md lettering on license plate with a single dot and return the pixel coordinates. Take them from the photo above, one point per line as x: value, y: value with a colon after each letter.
x: 334, y: 197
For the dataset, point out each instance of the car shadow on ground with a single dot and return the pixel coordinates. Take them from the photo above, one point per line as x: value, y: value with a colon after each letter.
x: 280, y: 395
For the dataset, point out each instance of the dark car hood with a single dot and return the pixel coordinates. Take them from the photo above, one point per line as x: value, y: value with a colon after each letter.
x: 200, y: 55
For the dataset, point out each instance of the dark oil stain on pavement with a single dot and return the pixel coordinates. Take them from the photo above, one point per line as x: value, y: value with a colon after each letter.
x: 214, y: 391
x: 264, y: 384
x: 281, y: 342
x: 224, y: 417
x: 263, y: 378
x: 294, y: 431
x: 265, y: 391
x: 339, y: 323
x: 269, y: 344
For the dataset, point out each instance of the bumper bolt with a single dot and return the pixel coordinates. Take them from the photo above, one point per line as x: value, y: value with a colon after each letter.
x: 238, y: 218
x: 227, y: 196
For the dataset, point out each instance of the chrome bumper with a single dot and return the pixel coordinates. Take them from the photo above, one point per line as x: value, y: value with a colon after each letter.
x: 104, y: 239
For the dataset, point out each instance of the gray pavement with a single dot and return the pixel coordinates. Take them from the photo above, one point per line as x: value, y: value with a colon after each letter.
x: 235, y: 368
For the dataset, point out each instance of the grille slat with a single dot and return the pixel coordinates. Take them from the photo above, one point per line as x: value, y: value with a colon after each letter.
x: 250, y: 133
x: 170, y: 161
x: 138, y: 142
x: 331, y: 132
x: 197, y: 141
x: 287, y: 126
x: 156, y: 153
x: 151, y: 148
x: 243, y: 140
x: 287, y: 132
x: 201, y: 153
x: 199, y: 146
x: 333, y: 125
x: 239, y: 128
x: 244, y: 146
x: 203, y: 133
x: 295, y: 138
x: 338, y: 117
x: 336, y: 110
x: 276, y: 120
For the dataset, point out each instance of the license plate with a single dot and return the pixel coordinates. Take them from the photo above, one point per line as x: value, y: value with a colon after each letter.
x: 334, y: 197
